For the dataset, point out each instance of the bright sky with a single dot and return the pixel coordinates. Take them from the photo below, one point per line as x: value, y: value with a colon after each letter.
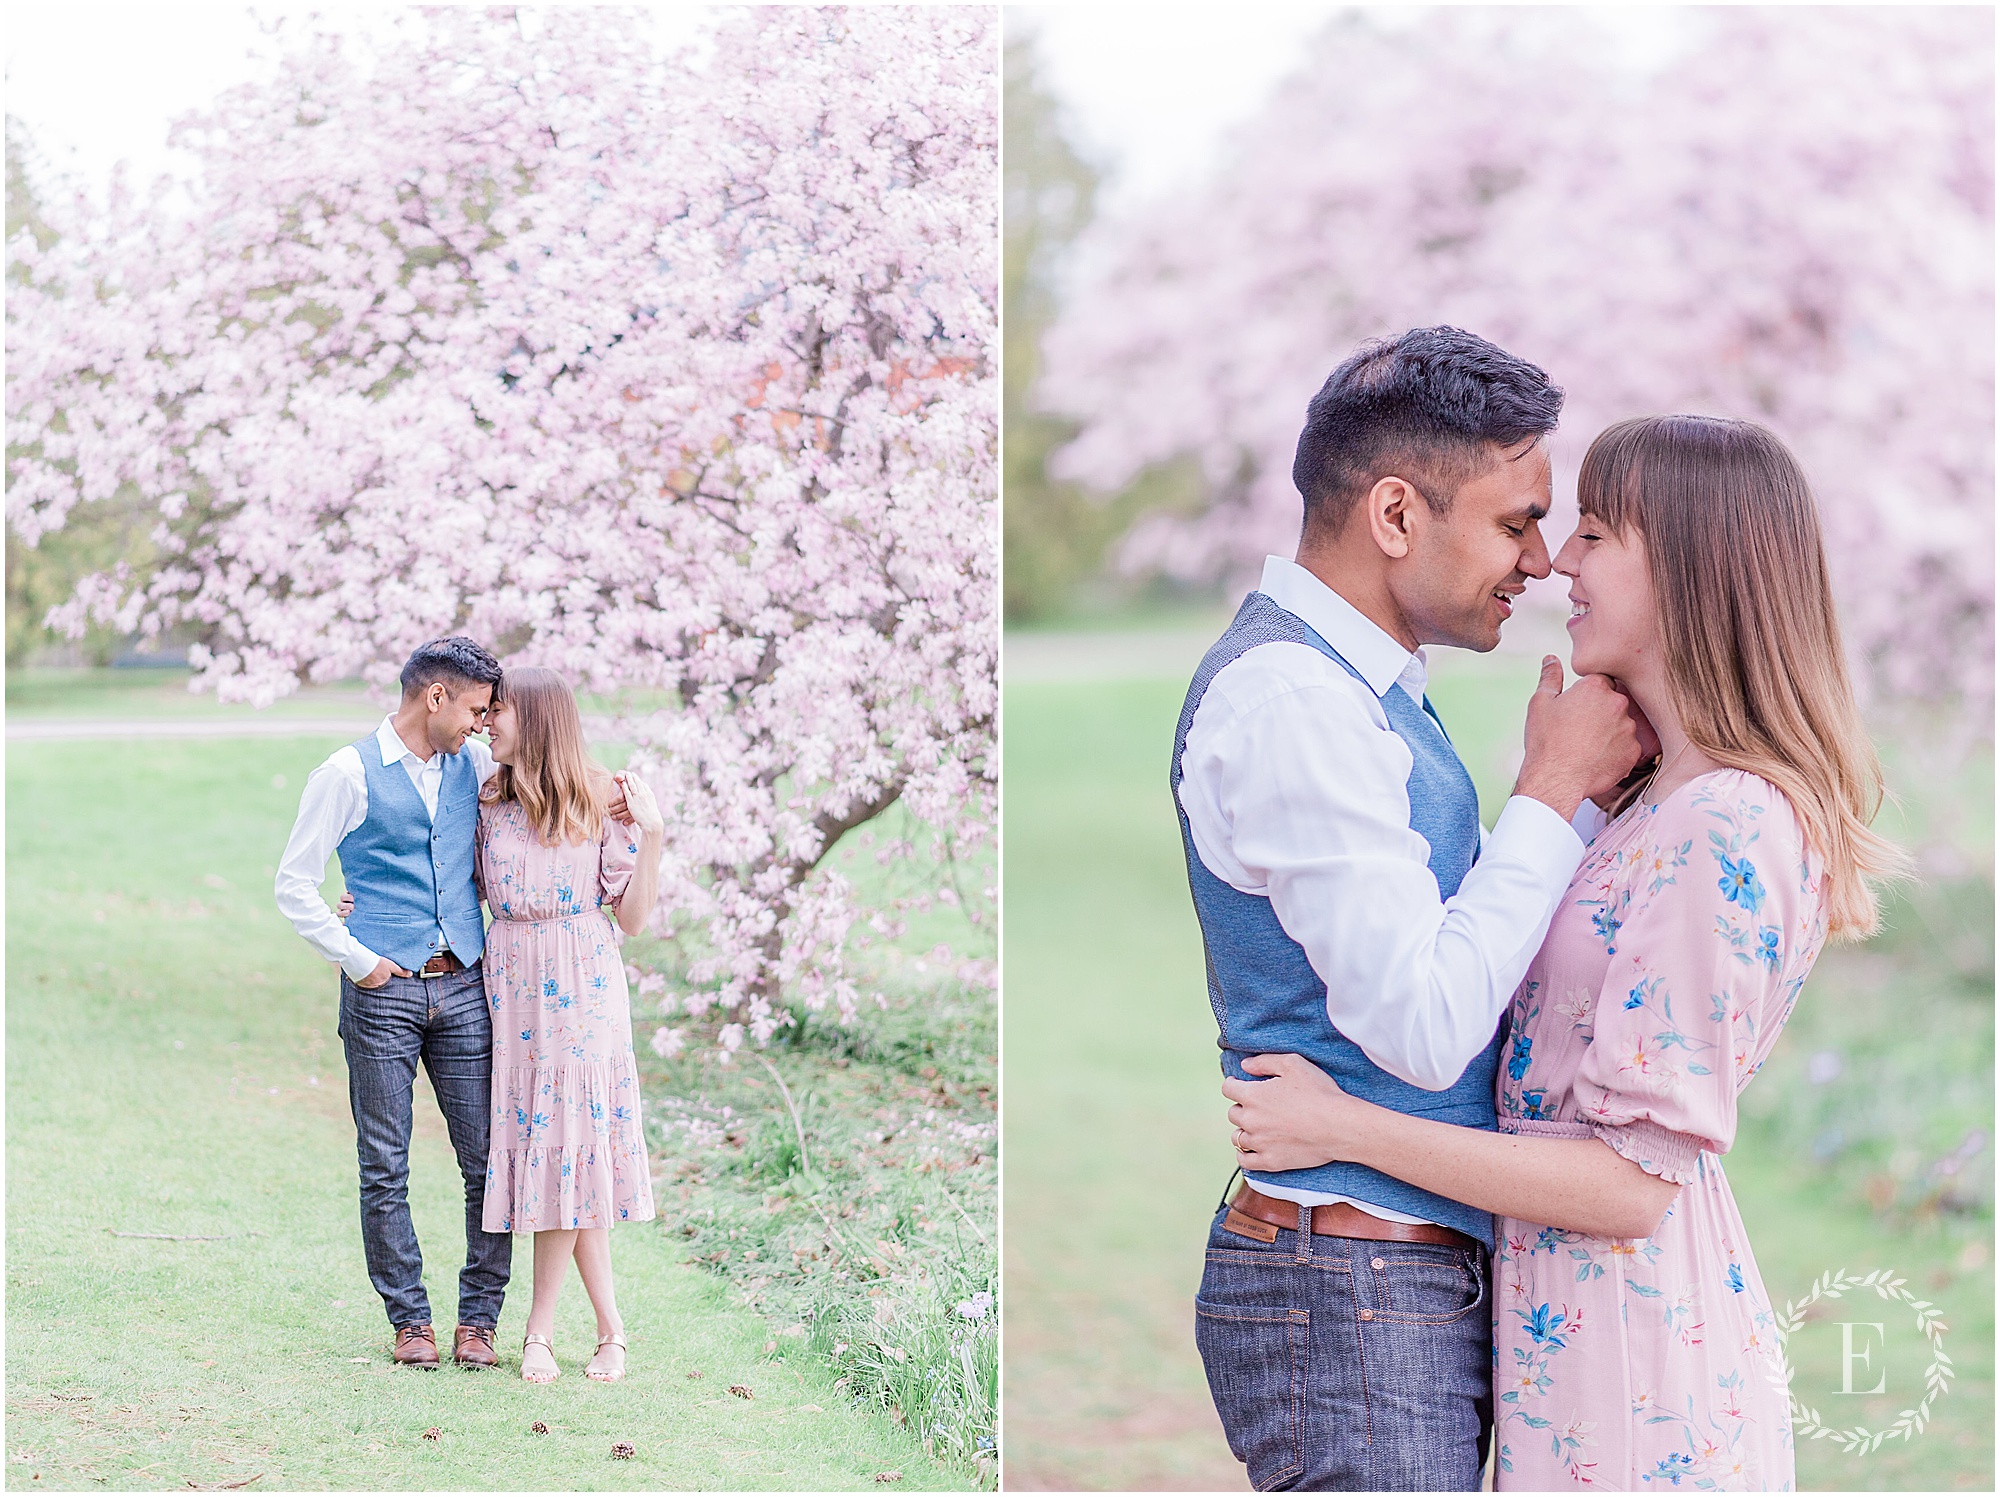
x: 98, y: 82
x: 1151, y: 90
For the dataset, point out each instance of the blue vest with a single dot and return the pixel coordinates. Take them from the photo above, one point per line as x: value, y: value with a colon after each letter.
x: 1266, y: 996
x: 410, y: 875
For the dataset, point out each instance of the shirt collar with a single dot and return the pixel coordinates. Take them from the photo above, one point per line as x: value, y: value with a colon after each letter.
x: 1362, y: 643
x: 394, y: 750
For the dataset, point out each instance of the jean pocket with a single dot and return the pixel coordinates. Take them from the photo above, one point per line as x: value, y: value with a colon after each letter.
x: 1255, y: 1356
x: 1426, y: 1286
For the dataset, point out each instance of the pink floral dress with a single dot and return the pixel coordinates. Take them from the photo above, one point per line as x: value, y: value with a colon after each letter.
x: 1667, y: 974
x: 567, y: 1150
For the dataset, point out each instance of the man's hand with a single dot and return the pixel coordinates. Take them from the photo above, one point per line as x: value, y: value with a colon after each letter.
x: 1649, y: 753
x: 1583, y: 739
x: 384, y: 970
x: 1297, y: 1119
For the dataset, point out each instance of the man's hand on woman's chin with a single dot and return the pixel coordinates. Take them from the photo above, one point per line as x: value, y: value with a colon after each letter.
x: 1295, y: 1119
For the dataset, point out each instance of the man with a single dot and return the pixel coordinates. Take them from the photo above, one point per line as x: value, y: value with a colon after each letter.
x: 1353, y: 914
x: 401, y: 807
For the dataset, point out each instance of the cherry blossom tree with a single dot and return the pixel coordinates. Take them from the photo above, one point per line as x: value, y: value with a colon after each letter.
x: 1783, y: 214
x: 676, y: 375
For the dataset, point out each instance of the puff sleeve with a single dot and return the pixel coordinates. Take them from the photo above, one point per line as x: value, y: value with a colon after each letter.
x: 1723, y: 924
x: 617, y: 857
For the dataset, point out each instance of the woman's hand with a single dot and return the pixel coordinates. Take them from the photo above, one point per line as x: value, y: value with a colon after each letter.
x: 346, y: 905
x: 1295, y: 1120
x: 644, y: 811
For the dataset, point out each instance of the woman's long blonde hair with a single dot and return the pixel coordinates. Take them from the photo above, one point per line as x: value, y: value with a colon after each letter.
x: 1746, y: 613
x: 562, y: 790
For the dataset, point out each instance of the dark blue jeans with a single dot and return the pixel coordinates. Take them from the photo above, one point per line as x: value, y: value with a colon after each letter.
x: 1345, y: 1365
x: 443, y: 1022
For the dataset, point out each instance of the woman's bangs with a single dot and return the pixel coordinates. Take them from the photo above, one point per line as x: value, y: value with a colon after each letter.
x: 1608, y: 486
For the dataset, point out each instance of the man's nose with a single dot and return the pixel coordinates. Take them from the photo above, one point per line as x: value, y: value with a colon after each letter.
x: 1535, y: 556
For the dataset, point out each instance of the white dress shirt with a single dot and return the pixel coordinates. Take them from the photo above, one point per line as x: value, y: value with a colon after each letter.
x: 1296, y: 789
x: 333, y: 803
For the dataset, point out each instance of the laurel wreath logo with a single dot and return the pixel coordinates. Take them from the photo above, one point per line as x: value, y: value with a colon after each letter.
x: 1937, y: 1377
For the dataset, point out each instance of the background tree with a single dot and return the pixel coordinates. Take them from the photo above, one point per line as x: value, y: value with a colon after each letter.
x: 1054, y: 533
x: 679, y: 380
x: 1785, y: 216
x: 97, y: 536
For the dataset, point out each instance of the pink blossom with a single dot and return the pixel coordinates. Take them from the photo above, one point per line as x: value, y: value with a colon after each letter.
x: 681, y: 382
x: 1789, y: 219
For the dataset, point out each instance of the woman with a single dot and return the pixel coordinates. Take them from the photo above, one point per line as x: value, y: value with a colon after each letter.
x: 567, y: 1156
x: 1634, y: 1342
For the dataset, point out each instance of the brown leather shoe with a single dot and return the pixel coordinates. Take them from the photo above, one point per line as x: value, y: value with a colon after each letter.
x: 472, y: 1346
x: 416, y: 1346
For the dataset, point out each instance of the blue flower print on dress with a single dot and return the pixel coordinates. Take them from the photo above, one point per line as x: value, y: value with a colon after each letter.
x: 1739, y: 883
x: 1517, y: 1063
x: 1607, y: 928
x: 1767, y: 947
x: 1672, y: 1467
x: 1544, y: 1324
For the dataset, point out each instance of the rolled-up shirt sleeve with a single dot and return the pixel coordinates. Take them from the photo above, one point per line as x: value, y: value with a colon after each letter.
x: 1296, y: 789
x: 333, y: 803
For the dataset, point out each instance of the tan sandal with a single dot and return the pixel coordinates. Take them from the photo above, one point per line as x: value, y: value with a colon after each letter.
x: 616, y: 1339
x: 535, y: 1338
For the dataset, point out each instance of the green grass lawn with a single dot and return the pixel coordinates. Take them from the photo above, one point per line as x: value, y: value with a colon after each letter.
x: 172, y: 1069
x: 157, y: 691
x: 1117, y: 1149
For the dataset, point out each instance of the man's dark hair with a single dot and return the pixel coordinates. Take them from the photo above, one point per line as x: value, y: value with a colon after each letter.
x: 457, y: 661
x: 1429, y: 407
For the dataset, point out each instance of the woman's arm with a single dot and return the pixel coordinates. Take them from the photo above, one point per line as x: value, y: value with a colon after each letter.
x: 1300, y: 1118
x: 635, y: 905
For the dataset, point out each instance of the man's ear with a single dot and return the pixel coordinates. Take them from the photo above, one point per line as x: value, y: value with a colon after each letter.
x: 435, y: 696
x: 1389, y: 511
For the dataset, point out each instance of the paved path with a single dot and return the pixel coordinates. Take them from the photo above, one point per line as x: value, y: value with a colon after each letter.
x: 46, y: 729
x: 1140, y: 655
x: 185, y: 727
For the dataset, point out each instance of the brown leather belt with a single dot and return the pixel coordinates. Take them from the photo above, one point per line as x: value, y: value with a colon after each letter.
x: 1261, y: 1215
x: 440, y: 965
